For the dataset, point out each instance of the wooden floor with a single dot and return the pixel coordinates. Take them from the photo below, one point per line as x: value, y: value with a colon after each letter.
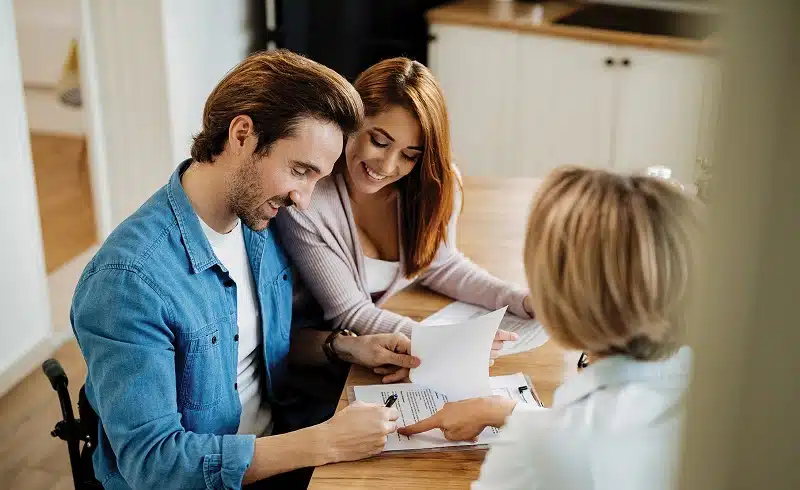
x: 65, y: 197
x: 30, y: 459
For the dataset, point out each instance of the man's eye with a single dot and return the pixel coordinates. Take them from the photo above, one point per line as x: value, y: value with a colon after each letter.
x: 299, y: 172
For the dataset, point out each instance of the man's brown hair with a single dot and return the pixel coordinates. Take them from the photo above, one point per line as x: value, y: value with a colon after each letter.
x: 276, y: 89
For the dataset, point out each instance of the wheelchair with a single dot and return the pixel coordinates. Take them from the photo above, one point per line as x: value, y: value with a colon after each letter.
x: 80, y: 434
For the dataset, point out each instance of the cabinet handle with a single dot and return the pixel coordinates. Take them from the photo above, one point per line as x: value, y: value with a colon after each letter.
x: 626, y: 62
x: 609, y: 61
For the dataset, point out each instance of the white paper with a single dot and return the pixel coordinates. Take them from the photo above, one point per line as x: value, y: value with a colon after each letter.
x: 416, y: 403
x: 454, y: 358
x: 531, y: 333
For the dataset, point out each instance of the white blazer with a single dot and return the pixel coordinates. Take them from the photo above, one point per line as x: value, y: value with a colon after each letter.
x: 614, y: 426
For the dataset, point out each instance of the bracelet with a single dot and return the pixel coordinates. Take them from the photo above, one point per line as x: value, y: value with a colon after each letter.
x: 330, y: 350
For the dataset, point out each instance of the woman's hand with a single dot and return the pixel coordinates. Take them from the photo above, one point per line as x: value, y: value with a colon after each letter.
x: 500, y: 337
x: 527, y: 303
x: 465, y: 420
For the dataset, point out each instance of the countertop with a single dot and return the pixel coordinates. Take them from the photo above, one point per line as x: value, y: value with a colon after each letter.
x: 519, y: 17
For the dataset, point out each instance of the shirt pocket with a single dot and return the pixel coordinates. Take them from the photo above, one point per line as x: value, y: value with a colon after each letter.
x: 282, y: 287
x: 202, y: 382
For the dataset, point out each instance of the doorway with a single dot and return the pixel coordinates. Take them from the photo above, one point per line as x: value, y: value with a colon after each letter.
x: 48, y: 34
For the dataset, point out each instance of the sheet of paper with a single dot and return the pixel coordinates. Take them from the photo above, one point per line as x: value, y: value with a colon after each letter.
x: 531, y: 333
x: 416, y: 403
x: 454, y: 359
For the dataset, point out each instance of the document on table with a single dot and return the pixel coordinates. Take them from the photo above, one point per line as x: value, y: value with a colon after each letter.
x: 416, y: 403
x: 454, y: 358
x: 531, y: 333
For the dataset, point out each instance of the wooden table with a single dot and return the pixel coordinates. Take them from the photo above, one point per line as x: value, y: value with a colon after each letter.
x: 491, y: 232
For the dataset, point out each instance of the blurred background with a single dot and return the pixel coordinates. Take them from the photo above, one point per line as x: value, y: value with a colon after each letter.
x: 101, y: 98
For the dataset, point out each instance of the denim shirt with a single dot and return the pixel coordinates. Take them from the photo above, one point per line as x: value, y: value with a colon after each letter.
x: 154, y: 313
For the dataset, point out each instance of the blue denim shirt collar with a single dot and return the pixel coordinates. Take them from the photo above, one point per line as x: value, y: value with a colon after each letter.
x: 199, y: 250
x: 616, y: 370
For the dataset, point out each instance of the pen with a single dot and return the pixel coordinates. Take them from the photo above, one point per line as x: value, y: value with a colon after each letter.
x: 390, y: 401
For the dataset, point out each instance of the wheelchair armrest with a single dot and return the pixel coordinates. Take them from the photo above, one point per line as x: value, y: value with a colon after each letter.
x: 55, y: 373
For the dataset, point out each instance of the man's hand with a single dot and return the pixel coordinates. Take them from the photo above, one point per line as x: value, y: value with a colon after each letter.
x: 359, y: 431
x: 464, y: 420
x: 386, y: 353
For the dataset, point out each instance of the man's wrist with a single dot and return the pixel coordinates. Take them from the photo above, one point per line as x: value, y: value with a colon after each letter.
x: 322, y: 444
x: 331, y: 348
x: 344, y: 346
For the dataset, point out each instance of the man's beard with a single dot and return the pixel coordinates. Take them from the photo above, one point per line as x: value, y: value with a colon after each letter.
x: 245, y: 197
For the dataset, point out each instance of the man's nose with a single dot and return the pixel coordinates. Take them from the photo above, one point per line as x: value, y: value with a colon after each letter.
x: 301, y: 198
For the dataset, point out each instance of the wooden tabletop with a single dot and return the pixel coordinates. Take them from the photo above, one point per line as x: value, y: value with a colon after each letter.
x: 520, y: 17
x: 491, y: 232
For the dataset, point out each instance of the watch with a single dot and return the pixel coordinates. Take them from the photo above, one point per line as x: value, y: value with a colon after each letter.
x: 330, y: 350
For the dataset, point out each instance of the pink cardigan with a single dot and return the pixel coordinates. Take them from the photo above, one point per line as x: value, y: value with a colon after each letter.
x: 322, y: 241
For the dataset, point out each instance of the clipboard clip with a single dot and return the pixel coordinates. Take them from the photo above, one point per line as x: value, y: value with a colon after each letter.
x: 523, y: 389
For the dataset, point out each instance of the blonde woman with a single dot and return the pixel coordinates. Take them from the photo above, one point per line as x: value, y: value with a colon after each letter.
x: 610, y: 258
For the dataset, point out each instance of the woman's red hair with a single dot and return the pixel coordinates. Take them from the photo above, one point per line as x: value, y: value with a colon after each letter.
x: 428, y: 192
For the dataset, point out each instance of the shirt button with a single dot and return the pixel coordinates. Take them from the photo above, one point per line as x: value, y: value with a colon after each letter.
x: 228, y: 283
x: 285, y: 277
x: 236, y: 338
x: 236, y: 386
x: 214, y: 339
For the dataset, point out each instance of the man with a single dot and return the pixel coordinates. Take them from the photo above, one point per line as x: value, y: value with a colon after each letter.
x: 184, y: 314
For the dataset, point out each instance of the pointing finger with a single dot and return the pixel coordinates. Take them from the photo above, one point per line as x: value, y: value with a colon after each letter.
x: 420, y: 427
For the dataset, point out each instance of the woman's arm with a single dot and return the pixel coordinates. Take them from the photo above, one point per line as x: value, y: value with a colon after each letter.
x: 454, y: 275
x: 331, y: 281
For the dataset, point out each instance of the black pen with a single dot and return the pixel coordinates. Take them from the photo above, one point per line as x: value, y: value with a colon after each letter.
x: 390, y: 401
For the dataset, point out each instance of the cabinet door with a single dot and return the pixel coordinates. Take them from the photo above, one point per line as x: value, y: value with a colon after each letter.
x: 475, y: 68
x: 659, y: 111
x: 565, y: 104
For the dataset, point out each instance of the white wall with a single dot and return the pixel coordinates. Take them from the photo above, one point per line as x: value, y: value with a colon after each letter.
x: 203, y: 40
x: 149, y: 66
x: 24, y: 305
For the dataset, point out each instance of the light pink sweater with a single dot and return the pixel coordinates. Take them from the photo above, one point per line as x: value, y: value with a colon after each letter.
x: 323, y: 244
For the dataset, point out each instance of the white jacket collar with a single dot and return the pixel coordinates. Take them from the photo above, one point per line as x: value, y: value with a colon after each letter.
x: 616, y: 370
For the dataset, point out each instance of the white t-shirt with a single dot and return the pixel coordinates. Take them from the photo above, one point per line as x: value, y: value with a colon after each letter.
x: 380, y: 274
x: 256, y: 416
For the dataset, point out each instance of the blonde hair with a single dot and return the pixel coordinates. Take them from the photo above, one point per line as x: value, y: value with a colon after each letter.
x: 608, y: 259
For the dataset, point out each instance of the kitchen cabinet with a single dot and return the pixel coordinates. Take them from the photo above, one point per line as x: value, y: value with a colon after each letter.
x: 659, y: 106
x: 476, y: 68
x: 521, y: 104
x: 565, y: 105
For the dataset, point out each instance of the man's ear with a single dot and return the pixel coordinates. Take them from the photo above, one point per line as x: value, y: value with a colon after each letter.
x: 240, y: 129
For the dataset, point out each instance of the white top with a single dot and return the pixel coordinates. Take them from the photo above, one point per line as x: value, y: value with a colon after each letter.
x: 256, y: 416
x: 380, y: 274
x: 614, y: 426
